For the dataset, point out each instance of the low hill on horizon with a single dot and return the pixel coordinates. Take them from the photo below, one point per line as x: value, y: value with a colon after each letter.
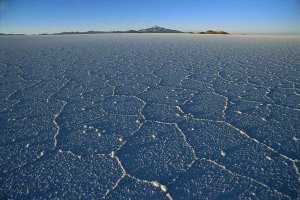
x: 214, y: 32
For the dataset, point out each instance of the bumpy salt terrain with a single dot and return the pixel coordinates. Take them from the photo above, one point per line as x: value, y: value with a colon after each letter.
x: 150, y: 116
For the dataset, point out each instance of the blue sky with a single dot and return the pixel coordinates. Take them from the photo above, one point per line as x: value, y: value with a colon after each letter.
x: 235, y: 16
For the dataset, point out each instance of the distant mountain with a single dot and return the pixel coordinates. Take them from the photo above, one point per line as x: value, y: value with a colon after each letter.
x: 158, y: 29
x: 77, y: 32
x: 214, y: 32
x: 10, y: 34
x: 154, y: 29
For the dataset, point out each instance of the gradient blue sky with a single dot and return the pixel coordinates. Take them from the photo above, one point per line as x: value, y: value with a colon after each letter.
x: 235, y: 16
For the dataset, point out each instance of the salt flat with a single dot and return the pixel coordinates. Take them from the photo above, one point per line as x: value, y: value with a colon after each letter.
x: 150, y: 116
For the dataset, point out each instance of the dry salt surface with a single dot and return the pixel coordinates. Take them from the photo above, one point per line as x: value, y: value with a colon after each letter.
x: 149, y: 116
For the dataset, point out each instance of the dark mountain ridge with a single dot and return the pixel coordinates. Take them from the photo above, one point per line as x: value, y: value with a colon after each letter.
x: 158, y: 29
x: 154, y: 29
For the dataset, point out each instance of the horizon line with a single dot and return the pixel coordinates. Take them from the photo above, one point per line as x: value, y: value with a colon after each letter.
x: 126, y: 31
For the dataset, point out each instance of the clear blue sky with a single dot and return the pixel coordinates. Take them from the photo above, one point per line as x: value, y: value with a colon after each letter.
x: 235, y: 16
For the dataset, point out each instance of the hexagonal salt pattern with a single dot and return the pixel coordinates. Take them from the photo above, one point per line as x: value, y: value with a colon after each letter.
x: 149, y: 116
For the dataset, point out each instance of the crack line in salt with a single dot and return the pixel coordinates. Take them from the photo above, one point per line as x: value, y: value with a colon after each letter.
x: 246, y: 177
x: 56, y: 124
x: 59, y: 89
